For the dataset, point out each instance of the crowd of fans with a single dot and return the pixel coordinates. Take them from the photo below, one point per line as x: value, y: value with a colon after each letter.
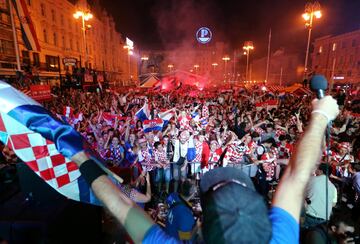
x: 162, y: 165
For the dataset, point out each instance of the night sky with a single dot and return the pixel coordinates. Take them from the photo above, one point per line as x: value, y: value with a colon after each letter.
x: 157, y: 24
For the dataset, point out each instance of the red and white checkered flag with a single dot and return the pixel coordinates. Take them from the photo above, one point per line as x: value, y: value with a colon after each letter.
x: 41, y: 156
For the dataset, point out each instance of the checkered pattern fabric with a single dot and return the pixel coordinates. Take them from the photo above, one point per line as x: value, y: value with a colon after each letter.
x: 270, y: 163
x: 205, y: 111
x: 279, y: 132
x: 259, y: 130
x: 250, y: 147
x: 184, y: 123
x: 147, y: 161
x: 41, y: 156
x: 234, y: 154
x: 198, y: 148
x: 284, y: 151
x: 214, y: 157
x: 161, y: 157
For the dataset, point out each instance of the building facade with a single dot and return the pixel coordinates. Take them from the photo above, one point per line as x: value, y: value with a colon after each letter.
x: 62, y: 44
x: 285, y: 68
x: 338, y: 57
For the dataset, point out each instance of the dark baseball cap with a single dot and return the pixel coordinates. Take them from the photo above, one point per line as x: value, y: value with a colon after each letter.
x: 233, y: 211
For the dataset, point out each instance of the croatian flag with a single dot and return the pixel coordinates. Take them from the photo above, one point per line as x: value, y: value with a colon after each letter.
x: 44, y: 143
x: 27, y: 27
x: 153, y: 125
x: 272, y: 104
x: 144, y: 113
x: 68, y: 112
x: 166, y: 116
x: 110, y: 118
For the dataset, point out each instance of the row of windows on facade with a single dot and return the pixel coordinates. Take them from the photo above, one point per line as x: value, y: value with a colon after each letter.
x: 343, y: 60
x: 55, y: 42
x: 343, y: 45
x: 53, y: 18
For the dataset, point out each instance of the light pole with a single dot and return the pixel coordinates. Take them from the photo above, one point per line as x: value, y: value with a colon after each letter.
x: 129, y: 52
x: 226, y: 59
x: 214, y: 65
x: 248, y: 45
x: 85, y: 16
x: 312, y: 10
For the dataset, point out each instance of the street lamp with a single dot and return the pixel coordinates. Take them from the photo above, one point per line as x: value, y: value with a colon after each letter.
x: 144, y: 58
x: 85, y: 16
x: 226, y: 59
x: 312, y: 10
x: 248, y: 45
x: 196, y: 66
x: 214, y: 65
x: 170, y: 66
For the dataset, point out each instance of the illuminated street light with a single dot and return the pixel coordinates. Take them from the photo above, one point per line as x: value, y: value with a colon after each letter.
x: 170, y: 66
x: 145, y: 58
x: 129, y: 49
x: 312, y: 10
x: 214, y: 65
x: 85, y: 16
x: 196, y: 66
x: 225, y: 59
x: 248, y: 45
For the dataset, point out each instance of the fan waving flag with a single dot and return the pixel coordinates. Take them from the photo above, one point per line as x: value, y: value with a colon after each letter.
x: 144, y: 113
x: 167, y: 115
x: 44, y: 143
x: 153, y: 125
x: 42, y: 157
x: 110, y: 118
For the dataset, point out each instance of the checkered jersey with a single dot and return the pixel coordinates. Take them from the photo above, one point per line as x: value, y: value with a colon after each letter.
x: 234, y: 154
x: 259, y: 130
x: 161, y: 157
x: 198, y: 148
x: 279, y: 132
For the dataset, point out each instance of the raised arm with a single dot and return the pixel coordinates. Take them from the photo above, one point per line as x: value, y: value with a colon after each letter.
x: 135, y: 220
x: 290, y: 193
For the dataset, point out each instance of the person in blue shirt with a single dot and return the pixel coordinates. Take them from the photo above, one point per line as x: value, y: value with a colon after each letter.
x: 180, y: 220
x: 233, y: 211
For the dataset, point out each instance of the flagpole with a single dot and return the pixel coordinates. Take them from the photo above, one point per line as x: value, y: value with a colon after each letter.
x: 268, y: 58
x: 15, y: 37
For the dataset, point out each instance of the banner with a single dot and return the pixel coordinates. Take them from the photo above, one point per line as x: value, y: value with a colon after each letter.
x: 40, y: 92
x: 88, y: 77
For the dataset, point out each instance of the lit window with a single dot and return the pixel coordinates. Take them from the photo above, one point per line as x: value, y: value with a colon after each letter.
x: 320, y: 49
x: 334, y: 46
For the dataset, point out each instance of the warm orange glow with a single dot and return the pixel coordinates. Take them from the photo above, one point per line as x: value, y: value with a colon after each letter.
x: 145, y: 58
x: 170, y: 66
x: 226, y: 58
x: 306, y: 16
x: 317, y: 14
x: 85, y: 15
x: 248, y: 45
x: 214, y: 64
x: 196, y: 66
